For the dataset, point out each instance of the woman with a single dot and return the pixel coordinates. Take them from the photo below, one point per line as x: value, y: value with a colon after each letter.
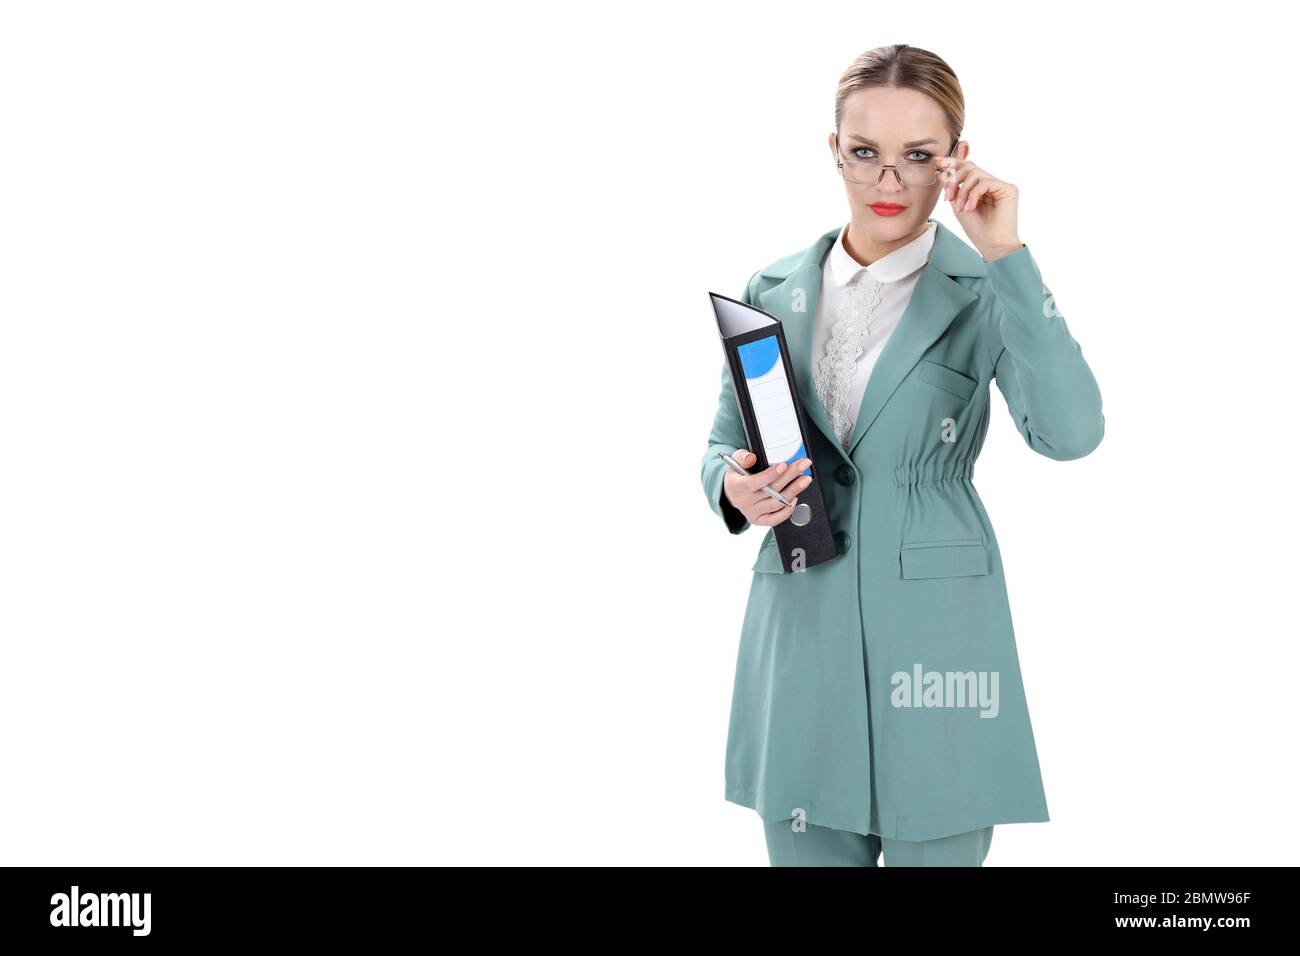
x: 878, y: 703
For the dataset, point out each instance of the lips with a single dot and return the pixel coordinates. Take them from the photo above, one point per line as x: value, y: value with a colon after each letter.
x: 886, y: 208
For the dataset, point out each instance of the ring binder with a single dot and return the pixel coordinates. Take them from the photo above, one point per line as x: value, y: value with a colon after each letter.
x: 767, y: 395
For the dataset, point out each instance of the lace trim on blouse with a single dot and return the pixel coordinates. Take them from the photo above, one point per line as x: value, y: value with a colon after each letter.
x: 833, y: 376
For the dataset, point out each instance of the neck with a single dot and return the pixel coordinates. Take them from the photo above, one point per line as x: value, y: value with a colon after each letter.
x: 865, y: 250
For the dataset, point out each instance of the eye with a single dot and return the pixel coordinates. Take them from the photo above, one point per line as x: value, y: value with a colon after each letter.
x: 857, y: 153
x: 924, y: 157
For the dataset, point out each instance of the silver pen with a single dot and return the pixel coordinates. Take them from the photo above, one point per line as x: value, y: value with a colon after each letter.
x: 735, y: 466
x: 802, y: 513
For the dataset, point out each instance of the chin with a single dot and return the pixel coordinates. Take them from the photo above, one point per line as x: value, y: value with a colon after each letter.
x: 892, y: 227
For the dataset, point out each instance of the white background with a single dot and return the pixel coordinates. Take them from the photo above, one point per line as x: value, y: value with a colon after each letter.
x: 357, y: 366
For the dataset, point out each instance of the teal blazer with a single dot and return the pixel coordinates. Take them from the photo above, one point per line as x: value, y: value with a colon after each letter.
x: 880, y: 691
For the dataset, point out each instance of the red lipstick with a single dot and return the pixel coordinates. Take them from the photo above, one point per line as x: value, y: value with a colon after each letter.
x: 886, y: 208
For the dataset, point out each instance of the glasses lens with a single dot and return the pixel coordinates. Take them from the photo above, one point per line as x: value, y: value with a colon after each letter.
x: 914, y: 174
x: 920, y: 174
x: 861, y: 172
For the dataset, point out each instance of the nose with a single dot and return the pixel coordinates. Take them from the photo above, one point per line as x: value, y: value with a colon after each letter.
x: 890, y: 183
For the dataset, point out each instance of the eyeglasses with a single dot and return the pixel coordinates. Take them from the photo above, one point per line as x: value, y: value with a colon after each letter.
x: 869, y: 172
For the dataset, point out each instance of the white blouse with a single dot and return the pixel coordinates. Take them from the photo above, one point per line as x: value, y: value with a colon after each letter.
x: 880, y: 297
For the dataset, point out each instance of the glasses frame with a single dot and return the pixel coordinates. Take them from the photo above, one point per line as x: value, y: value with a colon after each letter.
x: 842, y: 162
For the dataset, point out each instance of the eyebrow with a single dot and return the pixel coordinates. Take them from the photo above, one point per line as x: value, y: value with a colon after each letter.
x: 915, y: 142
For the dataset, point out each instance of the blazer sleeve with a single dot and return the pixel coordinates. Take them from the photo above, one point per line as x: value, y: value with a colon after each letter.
x: 727, y: 434
x: 1039, y: 368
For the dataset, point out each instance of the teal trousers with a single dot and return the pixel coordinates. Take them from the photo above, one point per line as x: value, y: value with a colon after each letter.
x: 811, y: 845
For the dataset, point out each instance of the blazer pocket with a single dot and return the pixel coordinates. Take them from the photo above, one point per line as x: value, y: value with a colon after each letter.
x: 950, y: 380
x: 769, y: 556
x: 956, y: 557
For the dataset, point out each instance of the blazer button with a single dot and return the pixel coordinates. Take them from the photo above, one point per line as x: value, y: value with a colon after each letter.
x: 842, y: 542
x: 845, y: 475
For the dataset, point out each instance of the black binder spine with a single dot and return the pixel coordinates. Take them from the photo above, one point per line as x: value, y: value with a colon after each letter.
x: 799, y: 546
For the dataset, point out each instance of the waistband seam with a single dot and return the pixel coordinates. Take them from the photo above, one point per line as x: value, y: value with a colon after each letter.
x: 945, y: 471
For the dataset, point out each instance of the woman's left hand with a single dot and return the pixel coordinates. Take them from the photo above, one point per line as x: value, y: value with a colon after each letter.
x: 983, y: 204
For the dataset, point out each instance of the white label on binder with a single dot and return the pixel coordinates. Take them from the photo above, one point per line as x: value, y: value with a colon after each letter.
x: 773, y: 401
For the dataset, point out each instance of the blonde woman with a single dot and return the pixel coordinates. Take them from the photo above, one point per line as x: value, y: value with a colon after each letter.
x: 878, y: 706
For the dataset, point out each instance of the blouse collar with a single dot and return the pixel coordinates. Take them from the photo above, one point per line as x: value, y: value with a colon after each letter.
x: 899, y: 264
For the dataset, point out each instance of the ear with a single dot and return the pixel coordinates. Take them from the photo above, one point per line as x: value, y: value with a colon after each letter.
x: 830, y: 143
x: 963, y: 150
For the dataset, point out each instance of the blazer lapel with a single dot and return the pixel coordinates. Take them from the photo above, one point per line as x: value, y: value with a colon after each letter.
x: 794, y: 302
x: 935, y: 302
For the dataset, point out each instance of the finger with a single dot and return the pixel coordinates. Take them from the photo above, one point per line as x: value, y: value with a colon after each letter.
x: 790, y: 483
x: 796, y: 486
x: 761, y: 506
x: 776, y: 517
x: 946, y: 166
x: 946, y: 163
x: 973, y: 200
x: 956, y: 174
x: 969, y: 181
x: 744, y: 457
x: 960, y: 182
x: 764, y: 504
x: 792, y: 477
x: 756, y: 481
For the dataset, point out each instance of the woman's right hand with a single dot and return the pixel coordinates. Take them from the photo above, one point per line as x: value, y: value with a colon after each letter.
x: 746, y: 494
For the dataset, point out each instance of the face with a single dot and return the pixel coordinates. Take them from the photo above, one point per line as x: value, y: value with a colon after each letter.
x: 892, y: 126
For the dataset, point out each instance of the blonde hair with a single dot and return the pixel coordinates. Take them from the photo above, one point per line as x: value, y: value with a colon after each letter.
x: 909, y: 67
